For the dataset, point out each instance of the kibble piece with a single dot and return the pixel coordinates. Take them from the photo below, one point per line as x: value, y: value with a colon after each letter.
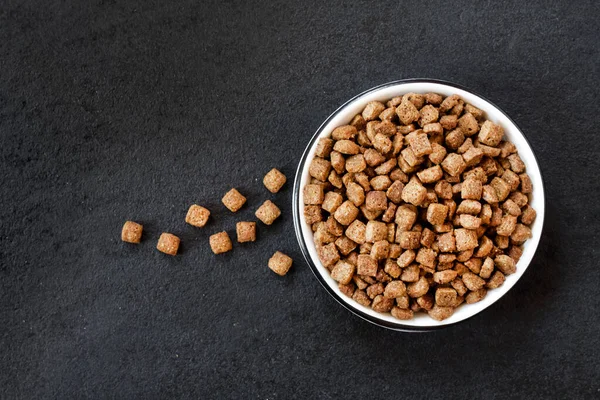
x: 274, y: 180
x: 485, y: 247
x: 466, y: 239
x: 507, y: 225
x: 356, y: 163
x: 233, y: 200
x: 454, y: 164
x: 440, y: 313
x: 197, y: 216
x: 319, y: 168
x: 345, y: 245
x: 402, y: 314
x: 338, y: 162
x: 331, y: 201
x: 343, y: 272
x: 376, y: 231
x: 490, y: 134
x: 394, y: 192
x: 487, y: 268
x: 428, y: 115
x: 512, y: 179
x: 382, y: 143
x: 454, y: 139
x: 420, y: 145
x: 380, y: 182
x: 313, y: 194
x: 469, y: 221
x: 468, y: 124
x: 505, y: 264
x: 375, y: 290
x: 322, y: 234
x: 328, y: 254
x: 472, y: 281
x: 380, y: 249
x: 410, y: 273
x: 474, y: 297
x: 395, y: 289
x: 246, y: 231
x: 346, y: 147
x: 427, y: 238
x: 268, y: 212
x: 489, y: 194
x: 528, y: 215
x: 476, y: 173
x: 471, y: 189
x: 436, y: 213
x: 169, y: 243
x: 418, y: 288
x: 220, y: 242
x: 409, y: 240
x: 280, y: 263
x: 372, y: 110
x: 376, y: 200
x: 373, y: 158
x: 516, y: 164
x: 356, y: 232
x: 520, y: 234
x: 407, y: 112
x: 344, y: 132
x: 355, y: 193
x: 433, y: 98
x: 427, y: 257
x: 526, y: 185
x: 369, y: 214
x: 414, y: 192
x: 131, y: 232
x: 382, y: 304
x: 472, y: 207
x: 438, y: 153
x: 430, y: 175
x: 366, y: 265
x: 324, y: 147
x: 510, y: 207
x: 346, y: 213
x: 312, y: 214
x: 501, y: 187
x: 445, y: 296
x: 386, y: 167
x: 444, y: 277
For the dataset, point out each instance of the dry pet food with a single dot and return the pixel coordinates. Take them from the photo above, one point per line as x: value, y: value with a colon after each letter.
x: 268, y: 212
x: 168, y: 243
x: 280, y: 263
x: 246, y: 231
x: 131, y: 232
x: 233, y: 200
x: 220, y: 243
x: 197, y: 216
x: 419, y: 204
x: 274, y: 180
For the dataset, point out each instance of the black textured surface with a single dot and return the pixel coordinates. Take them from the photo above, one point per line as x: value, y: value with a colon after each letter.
x: 112, y: 110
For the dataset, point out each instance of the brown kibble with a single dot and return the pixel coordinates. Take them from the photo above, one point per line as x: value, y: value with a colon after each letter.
x: 324, y: 147
x: 407, y: 112
x: 414, y: 192
x: 220, y: 243
x: 471, y: 189
x: 420, y: 145
x: 516, y: 164
x: 434, y: 98
x: 346, y: 213
x: 409, y: 240
x: 402, y: 314
x: 268, y: 212
x: 490, y: 134
x: 468, y: 124
x: 496, y: 280
x: 380, y: 249
x: 233, y: 200
x: 426, y: 257
x: 356, y: 163
x: 375, y: 290
x: 528, y: 215
x: 357, y: 232
x: 246, y: 231
x: 280, y: 263
x: 319, y: 168
x: 344, y: 132
x: 312, y: 214
x: 395, y: 289
x: 526, y: 185
x: 355, y: 193
x: 131, y: 232
x: 520, y: 234
x: 430, y: 175
x: 328, y: 254
x: 507, y: 225
x: 472, y: 281
x: 373, y: 158
x: 418, y: 288
x: 472, y: 207
x: 313, y: 194
x: 380, y: 182
x: 454, y: 139
x: 466, y: 239
x: 474, y: 297
x: 440, y: 313
x: 361, y: 298
x: 469, y: 221
x: 343, y: 272
x: 444, y: 277
x: 438, y: 153
x: 372, y: 110
x: 274, y: 180
x: 445, y: 296
x: 410, y: 273
x: 436, y: 213
x: 454, y: 164
x: 331, y: 201
x: 197, y: 216
x: 345, y: 245
x: 382, y: 304
x: 366, y: 265
x: 376, y: 231
x: 386, y: 167
x: 346, y: 147
x: 428, y: 115
x: 376, y: 200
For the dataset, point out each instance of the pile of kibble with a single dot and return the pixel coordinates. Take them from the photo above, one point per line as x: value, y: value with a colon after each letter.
x: 418, y: 204
x: 220, y: 242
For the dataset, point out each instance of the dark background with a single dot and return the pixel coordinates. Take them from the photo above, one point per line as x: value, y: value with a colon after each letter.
x: 115, y: 110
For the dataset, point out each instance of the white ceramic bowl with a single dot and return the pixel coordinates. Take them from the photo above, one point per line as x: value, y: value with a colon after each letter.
x: 343, y: 115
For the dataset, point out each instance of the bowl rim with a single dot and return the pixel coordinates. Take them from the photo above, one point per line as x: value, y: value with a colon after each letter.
x: 396, y: 326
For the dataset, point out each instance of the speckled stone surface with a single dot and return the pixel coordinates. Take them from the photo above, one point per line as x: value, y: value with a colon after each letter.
x: 116, y: 110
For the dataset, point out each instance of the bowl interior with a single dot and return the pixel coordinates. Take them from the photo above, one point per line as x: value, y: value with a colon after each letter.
x: 385, y: 92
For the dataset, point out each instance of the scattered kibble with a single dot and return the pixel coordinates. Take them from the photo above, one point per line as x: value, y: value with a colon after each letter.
x: 274, y: 180
x: 268, y: 212
x: 197, y: 216
x: 246, y: 231
x: 280, y: 263
x: 220, y: 243
x: 233, y: 200
x: 131, y: 232
x: 168, y: 243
